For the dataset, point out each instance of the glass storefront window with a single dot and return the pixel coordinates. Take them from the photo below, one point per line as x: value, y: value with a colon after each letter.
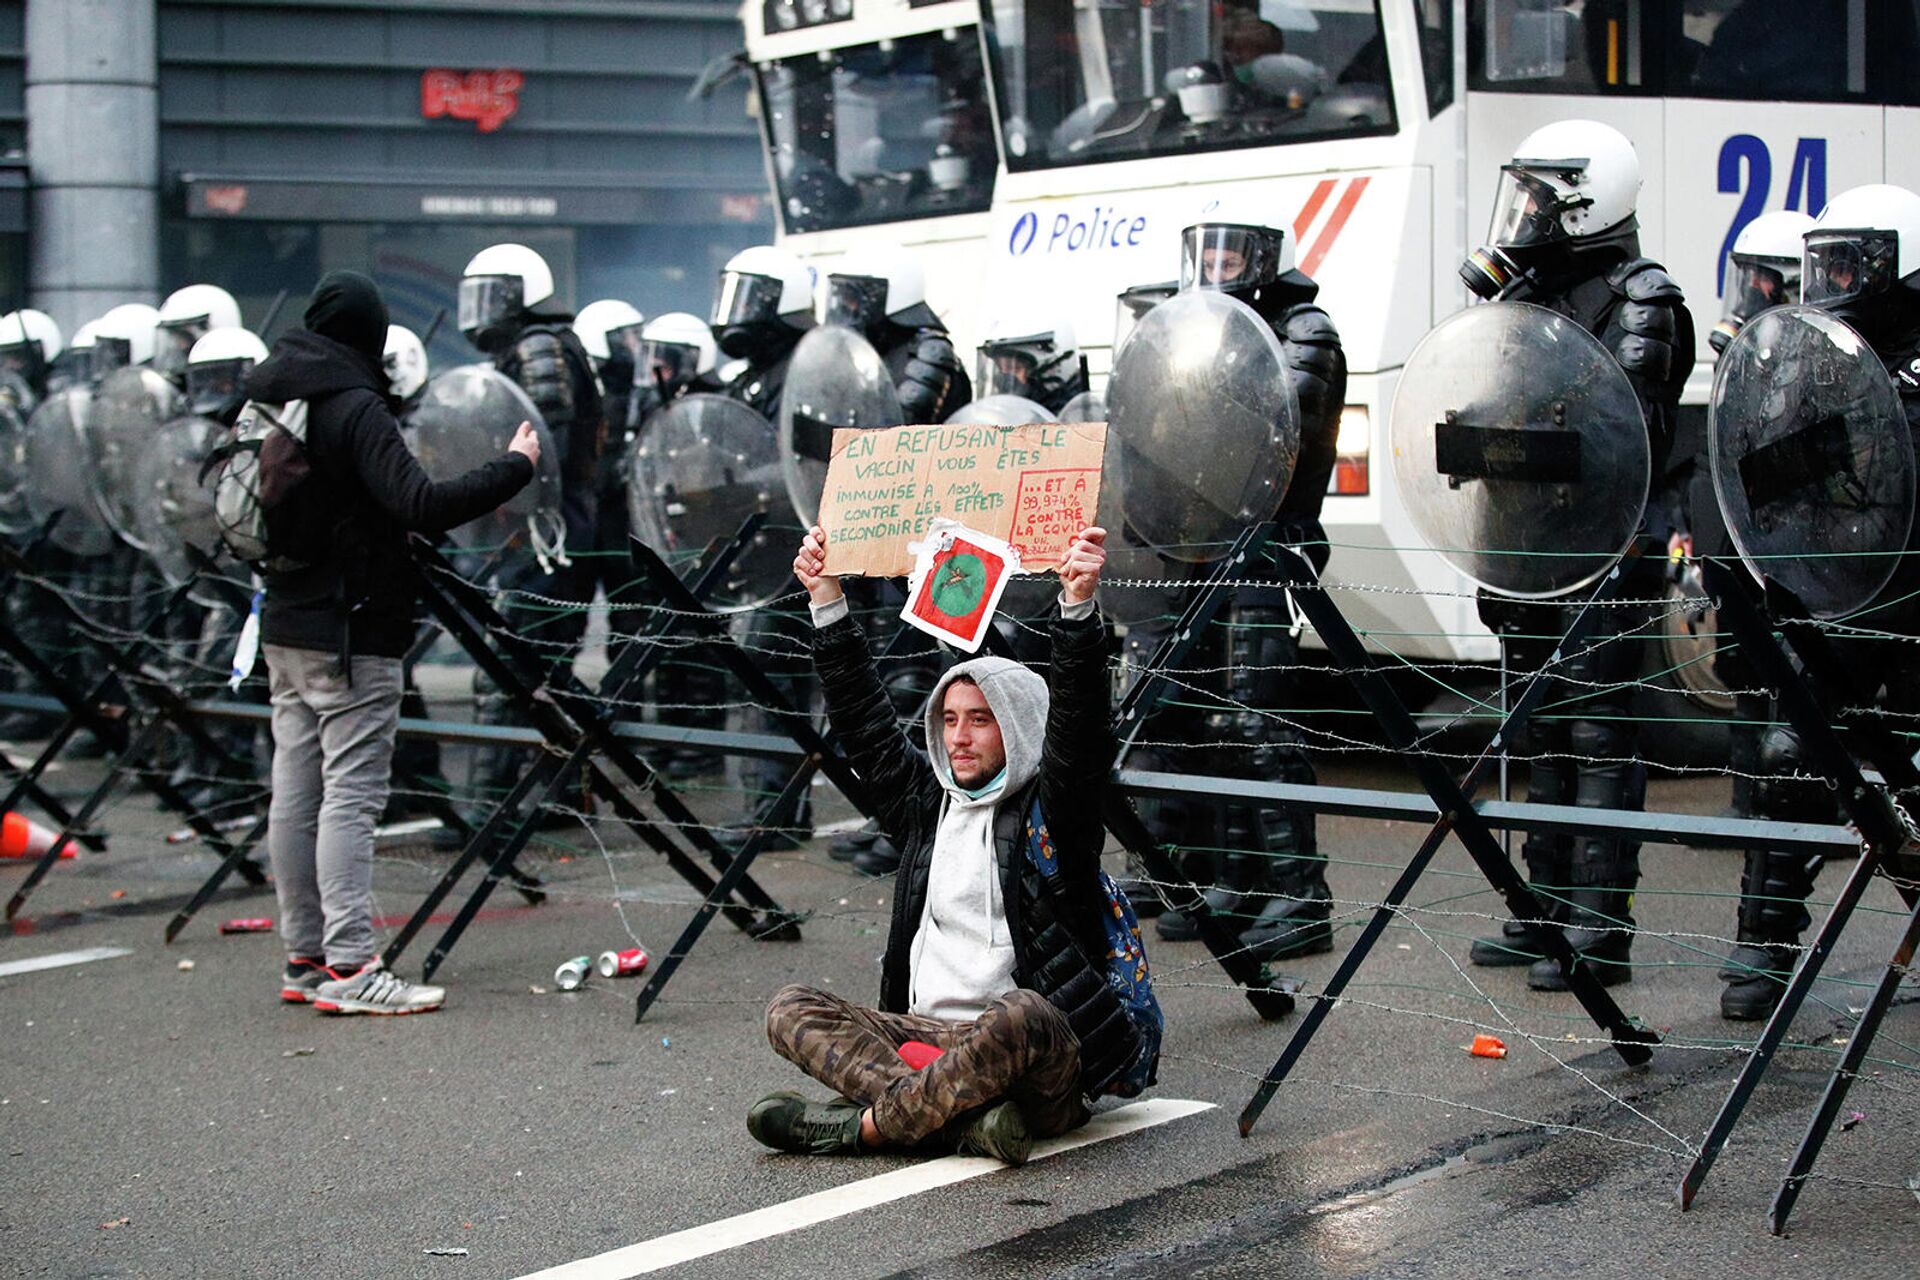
x: 880, y: 132
x: 1119, y: 79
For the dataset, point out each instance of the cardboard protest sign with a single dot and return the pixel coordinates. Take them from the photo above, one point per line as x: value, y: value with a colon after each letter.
x: 957, y: 579
x: 1033, y: 487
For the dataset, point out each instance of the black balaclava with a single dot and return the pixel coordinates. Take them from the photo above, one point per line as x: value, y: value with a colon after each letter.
x: 347, y: 307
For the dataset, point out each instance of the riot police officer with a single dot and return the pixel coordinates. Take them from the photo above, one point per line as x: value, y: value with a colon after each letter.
x: 187, y: 315
x: 1862, y: 263
x: 29, y: 346
x: 1272, y: 871
x: 764, y: 306
x: 507, y: 309
x: 1565, y: 237
x: 882, y: 292
x: 1038, y: 361
x: 609, y: 330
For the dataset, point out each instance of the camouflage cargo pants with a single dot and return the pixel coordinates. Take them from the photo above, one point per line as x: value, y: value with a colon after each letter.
x: 1020, y: 1050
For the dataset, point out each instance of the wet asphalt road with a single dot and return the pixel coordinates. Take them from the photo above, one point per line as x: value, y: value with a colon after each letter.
x: 158, y: 1122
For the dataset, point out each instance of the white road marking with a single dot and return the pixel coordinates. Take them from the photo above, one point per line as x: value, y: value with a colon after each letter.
x: 837, y: 1202
x: 61, y: 959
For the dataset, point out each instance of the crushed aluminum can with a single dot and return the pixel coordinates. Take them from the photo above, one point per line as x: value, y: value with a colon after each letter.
x: 622, y: 964
x: 248, y: 924
x: 572, y: 975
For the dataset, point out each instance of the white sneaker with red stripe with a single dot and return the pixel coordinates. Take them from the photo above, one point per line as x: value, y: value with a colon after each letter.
x: 376, y: 989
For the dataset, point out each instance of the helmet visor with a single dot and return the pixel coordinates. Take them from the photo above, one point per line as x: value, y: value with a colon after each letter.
x: 1754, y: 284
x: 1227, y: 256
x: 1842, y: 265
x: 22, y: 358
x: 669, y: 362
x: 173, y: 342
x: 108, y: 354
x: 215, y: 386
x: 746, y: 299
x: 859, y: 302
x: 1005, y: 369
x: 488, y: 301
x: 624, y: 343
x: 1530, y: 209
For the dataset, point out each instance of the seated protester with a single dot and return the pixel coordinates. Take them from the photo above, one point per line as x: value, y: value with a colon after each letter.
x: 1002, y: 971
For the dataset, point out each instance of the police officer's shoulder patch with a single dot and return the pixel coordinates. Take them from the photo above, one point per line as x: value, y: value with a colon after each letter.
x: 1909, y: 377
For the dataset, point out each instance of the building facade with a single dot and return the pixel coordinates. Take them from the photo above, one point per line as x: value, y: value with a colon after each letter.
x: 285, y: 138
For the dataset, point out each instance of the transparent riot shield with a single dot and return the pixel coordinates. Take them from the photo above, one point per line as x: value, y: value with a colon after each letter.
x: 173, y: 510
x: 465, y: 418
x: 57, y: 460
x: 129, y: 408
x: 1088, y: 406
x: 1812, y: 458
x: 700, y: 467
x: 16, y: 516
x: 1202, y: 429
x: 1001, y: 411
x: 835, y: 379
x: 1520, y: 449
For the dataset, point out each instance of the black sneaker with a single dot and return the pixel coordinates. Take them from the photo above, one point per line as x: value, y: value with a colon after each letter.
x: 786, y: 1121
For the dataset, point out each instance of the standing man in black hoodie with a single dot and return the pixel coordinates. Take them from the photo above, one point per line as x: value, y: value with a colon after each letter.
x: 334, y: 632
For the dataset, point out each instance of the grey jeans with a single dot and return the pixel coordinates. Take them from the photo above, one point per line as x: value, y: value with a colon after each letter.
x: 332, y: 762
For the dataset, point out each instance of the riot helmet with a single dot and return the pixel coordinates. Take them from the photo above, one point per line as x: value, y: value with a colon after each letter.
x: 186, y: 316
x: 217, y: 370
x: 1039, y: 361
x: 1570, y: 183
x: 29, y: 344
x: 1237, y: 258
x: 610, y: 331
x: 877, y: 286
x: 675, y: 349
x: 75, y: 364
x: 499, y: 286
x: 1862, y: 257
x: 1763, y: 270
x: 765, y: 301
x: 123, y: 337
x: 405, y: 360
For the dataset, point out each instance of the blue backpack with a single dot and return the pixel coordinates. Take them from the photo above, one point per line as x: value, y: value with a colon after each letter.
x: 1126, y: 967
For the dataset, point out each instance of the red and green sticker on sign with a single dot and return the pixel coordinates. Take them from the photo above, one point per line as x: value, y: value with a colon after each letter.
x: 957, y: 579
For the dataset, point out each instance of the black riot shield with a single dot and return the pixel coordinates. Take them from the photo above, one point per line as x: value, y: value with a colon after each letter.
x: 465, y: 418
x: 173, y: 510
x: 835, y: 379
x: 1203, y: 427
x: 1001, y: 411
x: 1812, y: 458
x: 1520, y: 449
x: 57, y: 459
x: 700, y: 467
x: 129, y: 408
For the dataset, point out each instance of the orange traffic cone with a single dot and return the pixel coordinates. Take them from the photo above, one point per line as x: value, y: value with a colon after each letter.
x: 22, y: 837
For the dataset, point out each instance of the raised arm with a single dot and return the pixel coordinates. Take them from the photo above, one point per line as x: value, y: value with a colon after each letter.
x: 899, y: 779
x: 1080, y: 745
x: 395, y: 479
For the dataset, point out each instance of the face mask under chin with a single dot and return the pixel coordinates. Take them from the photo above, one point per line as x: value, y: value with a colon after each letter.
x: 746, y: 341
x: 493, y: 338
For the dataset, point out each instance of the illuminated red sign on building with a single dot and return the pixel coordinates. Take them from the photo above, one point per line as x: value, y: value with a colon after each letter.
x: 488, y: 98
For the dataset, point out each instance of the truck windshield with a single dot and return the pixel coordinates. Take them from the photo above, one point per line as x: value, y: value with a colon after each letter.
x: 880, y: 132
x: 1082, y: 81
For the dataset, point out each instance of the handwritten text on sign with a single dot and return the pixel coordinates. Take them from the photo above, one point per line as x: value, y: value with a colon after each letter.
x: 1034, y: 486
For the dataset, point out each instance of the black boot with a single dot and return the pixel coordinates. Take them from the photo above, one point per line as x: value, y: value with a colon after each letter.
x: 1773, y: 914
x: 848, y: 845
x: 1295, y: 918
x: 1549, y: 859
x: 1600, y: 931
x: 1226, y: 898
x: 1605, y: 869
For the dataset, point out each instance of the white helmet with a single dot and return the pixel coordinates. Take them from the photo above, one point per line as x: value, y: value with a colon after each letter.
x: 184, y: 317
x: 217, y: 369
x: 405, y: 361
x: 83, y: 336
x: 676, y: 348
x: 1864, y: 243
x: 1567, y: 181
x: 875, y: 283
x: 500, y: 282
x: 761, y: 285
x: 1763, y: 270
x: 600, y: 325
x: 1037, y: 359
x: 123, y: 336
x: 27, y: 325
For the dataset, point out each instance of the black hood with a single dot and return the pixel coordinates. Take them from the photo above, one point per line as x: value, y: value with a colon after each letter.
x: 305, y: 364
x: 347, y: 307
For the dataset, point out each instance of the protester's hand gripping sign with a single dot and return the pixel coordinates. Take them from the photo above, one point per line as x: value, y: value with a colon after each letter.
x: 957, y: 510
